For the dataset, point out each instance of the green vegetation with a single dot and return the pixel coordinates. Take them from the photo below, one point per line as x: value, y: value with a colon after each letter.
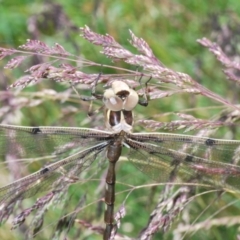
x: 171, y: 29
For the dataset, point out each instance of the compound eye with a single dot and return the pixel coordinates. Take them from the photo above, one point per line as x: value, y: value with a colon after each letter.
x: 131, y: 101
x: 119, y: 86
x: 111, y: 101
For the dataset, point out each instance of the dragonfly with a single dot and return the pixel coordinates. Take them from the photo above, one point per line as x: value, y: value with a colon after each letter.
x: 164, y: 157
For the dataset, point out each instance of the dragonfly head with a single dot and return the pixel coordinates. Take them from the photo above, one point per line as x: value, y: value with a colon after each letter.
x: 120, y: 97
x: 119, y: 101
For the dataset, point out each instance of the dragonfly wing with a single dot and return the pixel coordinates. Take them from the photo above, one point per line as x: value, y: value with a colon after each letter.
x: 55, y: 177
x: 155, y: 163
x: 50, y: 143
x: 60, y: 153
x: 168, y: 157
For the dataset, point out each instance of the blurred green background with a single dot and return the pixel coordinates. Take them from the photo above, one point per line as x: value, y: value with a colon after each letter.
x: 171, y: 28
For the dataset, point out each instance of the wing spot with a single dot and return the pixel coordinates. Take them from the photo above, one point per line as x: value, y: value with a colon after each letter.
x: 44, y: 170
x: 210, y: 142
x: 188, y: 158
x: 36, y: 130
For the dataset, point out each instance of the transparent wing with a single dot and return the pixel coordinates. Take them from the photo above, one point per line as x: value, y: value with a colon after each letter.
x: 175, y: 157
x: 64, y: 149
x: 52, y: 143
x: 66, y: 170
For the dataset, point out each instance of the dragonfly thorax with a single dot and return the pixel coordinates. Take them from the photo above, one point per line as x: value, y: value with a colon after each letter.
x: 118, y: 121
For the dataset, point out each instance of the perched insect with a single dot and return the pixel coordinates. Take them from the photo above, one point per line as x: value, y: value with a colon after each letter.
x: 162, y: 156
